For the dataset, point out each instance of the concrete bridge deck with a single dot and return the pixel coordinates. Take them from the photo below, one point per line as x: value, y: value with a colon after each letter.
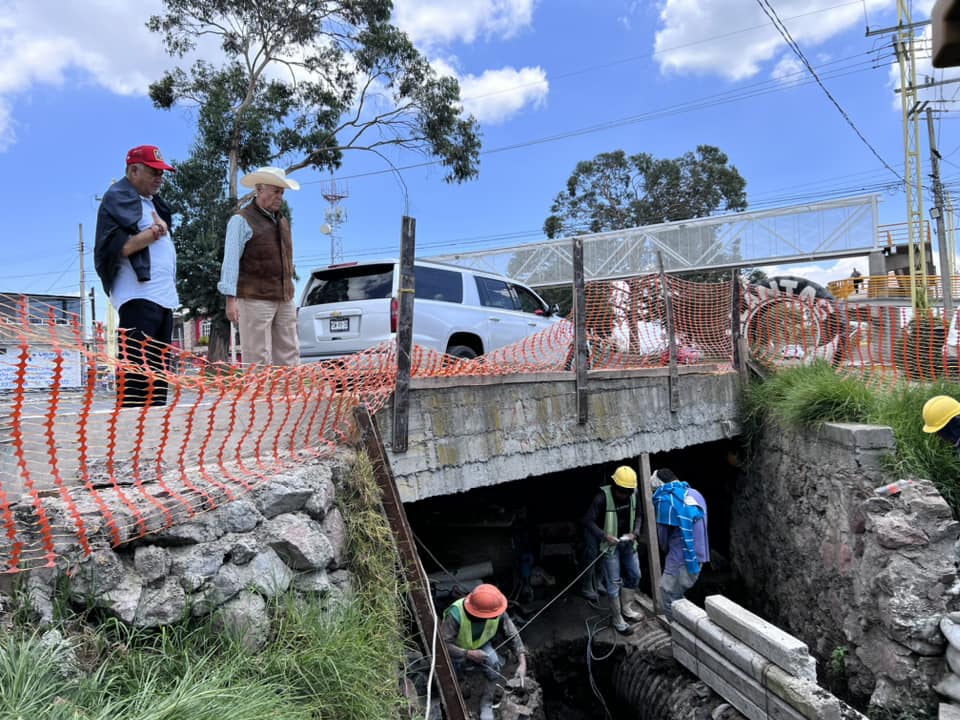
x: 466, y: 433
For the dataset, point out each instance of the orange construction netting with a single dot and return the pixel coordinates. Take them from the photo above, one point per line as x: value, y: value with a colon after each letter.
x: 99, y: 449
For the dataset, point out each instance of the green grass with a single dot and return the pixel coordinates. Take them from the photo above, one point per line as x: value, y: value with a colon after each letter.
x: 324, y: 661
x: 806, y: 397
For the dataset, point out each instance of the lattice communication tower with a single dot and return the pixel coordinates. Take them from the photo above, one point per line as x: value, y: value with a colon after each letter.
x: 333, y: 192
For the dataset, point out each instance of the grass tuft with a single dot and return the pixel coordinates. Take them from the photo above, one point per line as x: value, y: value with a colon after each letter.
x: 326, y: 660
x: 808, y: 396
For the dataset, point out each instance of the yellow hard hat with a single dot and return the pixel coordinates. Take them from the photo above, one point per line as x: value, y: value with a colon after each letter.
x: 938, y: 411
x: 626, y: 477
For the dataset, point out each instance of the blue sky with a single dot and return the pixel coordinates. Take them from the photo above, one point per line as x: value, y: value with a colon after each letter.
x: 614, y: 74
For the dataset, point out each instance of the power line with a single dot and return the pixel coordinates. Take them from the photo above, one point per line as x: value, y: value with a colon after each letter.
x: 792, y: 44
x: 743, y: 93
x: 646, y: 56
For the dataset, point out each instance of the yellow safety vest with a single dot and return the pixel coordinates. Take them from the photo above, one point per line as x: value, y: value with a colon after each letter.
x: 610, y: 525
x: 465, y: 635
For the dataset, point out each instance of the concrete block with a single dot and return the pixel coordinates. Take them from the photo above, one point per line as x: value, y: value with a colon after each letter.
x: 781, y: 648
x: 753, y: 676
x: 858, y: 435
x: 746, y: 686
x: 718, y: 684
x: 949, y: 712
x: 691, y: 618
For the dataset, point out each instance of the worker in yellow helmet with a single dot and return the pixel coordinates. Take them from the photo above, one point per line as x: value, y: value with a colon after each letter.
x: 613, y: 520
x: 470, y: 626
x: 941, y: 415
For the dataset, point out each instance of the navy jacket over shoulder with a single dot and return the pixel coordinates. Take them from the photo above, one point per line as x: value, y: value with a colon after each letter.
x: 117, y: 220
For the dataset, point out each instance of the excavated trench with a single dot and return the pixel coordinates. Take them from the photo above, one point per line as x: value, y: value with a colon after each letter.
x: 525, y: 537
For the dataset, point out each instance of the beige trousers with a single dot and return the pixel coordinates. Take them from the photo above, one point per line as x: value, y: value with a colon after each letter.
x: 268, y: 332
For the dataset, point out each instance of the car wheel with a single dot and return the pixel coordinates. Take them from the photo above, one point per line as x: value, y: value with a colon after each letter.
x: 462, y: 351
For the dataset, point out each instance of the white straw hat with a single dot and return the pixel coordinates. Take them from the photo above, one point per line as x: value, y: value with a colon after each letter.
x: 269, y: 176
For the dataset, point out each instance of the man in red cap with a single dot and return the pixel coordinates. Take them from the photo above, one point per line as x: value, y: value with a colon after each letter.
x: 470, y: 626
x: 137, y: 264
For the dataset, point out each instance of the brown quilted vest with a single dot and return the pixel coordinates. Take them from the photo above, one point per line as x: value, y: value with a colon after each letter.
x: 266, y: 266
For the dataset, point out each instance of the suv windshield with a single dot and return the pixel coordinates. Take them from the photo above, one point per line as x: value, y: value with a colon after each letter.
x: 364, y: 282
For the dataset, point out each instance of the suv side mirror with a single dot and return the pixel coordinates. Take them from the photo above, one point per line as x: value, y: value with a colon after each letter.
x: 945, y: 18
x: 555, y: 309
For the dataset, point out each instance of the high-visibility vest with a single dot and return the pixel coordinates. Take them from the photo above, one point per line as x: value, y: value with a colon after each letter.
x: 610, y: 524
x: 465, y: 635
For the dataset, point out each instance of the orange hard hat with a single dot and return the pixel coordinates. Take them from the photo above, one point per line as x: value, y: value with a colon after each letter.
x: 485, y: 602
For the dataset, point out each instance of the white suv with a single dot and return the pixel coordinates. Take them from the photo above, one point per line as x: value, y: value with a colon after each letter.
x: 349, y: 307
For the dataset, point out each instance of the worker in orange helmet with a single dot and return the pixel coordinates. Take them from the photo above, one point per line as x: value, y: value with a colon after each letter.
x: 470, y: 626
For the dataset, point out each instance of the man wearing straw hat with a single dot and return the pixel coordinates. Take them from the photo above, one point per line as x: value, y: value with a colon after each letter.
x: 257, y: 272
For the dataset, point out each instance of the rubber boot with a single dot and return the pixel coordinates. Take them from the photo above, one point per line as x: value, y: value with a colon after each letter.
x: 586, y: 587
x: 616, y: 617
x: 486, y: 700
x: 627, y: 598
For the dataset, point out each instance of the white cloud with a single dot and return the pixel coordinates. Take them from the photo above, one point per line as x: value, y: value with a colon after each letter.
x: 49, y: 42
x: 435, y: 22
x: 497, y: 95
x: 733, y: 38
x: 789, y: 70
x: 42, y: 42
x: 7, y: 134
x: 926, y: 73
x: 820, y: 273
x: 41, y: 45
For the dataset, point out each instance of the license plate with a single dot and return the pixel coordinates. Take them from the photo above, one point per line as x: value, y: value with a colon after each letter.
x: 341, y: 325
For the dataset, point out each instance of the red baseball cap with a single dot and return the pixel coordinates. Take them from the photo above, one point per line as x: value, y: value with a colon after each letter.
x: 148, y: 155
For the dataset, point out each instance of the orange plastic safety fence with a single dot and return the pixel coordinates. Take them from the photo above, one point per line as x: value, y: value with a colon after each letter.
x: 882, y: 341
x: 101, y: 450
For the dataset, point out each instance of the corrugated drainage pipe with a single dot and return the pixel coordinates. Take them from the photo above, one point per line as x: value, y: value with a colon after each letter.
x: 651, y: 685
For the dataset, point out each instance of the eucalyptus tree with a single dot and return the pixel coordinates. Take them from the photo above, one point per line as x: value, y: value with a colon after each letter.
x: 297, y: 83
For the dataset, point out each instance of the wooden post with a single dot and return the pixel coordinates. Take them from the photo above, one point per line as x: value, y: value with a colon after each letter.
x: 650, y: 529
x: 418, y: 585
x: 401, y: 395
x: 581, y: 357
x: 673, y: 382
x: 735, y: 320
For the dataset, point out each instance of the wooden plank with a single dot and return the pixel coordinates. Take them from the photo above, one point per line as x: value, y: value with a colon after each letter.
x: 419, y: 586
x: 673, y: 382
x: 581, y: 355
x: 650, y: 529
x: 401, y: 395
x: 739, y: 362
x: 949, y: 712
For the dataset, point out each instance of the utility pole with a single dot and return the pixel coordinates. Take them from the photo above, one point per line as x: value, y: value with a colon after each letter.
x: 904, y: 46
x: 946, y: 271
x: 93, y: 319
x: 83, y: 292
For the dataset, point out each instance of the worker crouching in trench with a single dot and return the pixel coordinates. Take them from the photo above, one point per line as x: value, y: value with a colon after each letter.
x: 470, y: 628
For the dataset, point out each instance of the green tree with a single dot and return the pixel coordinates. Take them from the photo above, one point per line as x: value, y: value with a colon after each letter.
x: 614, y: 191
x: 302, y: 81
x: 198, y: 192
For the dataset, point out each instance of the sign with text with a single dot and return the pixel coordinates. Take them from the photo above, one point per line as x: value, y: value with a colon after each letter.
x: 41, y: 366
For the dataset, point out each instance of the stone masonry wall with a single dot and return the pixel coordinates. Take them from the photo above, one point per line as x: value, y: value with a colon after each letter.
x: 285, y: 535
x: 863, y: 580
